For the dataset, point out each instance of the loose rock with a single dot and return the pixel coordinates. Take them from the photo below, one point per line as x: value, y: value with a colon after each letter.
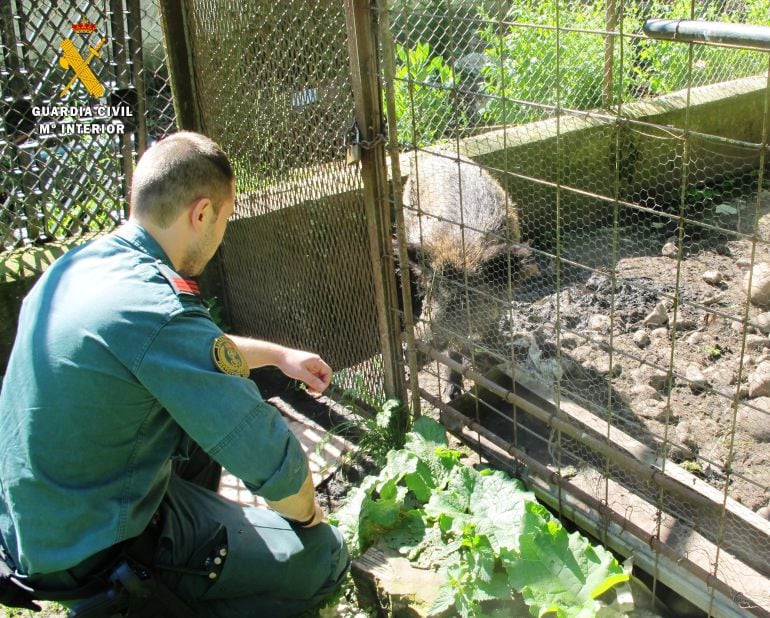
x: 569, y: 341
x: 651, y: 408
x: 644, y: 391
x: 641, y: 339
x: 695, y: 338
x: 723, y: 376
x: 712, y: 277
x: 659, y: 333
x: 686, y: 437
x: 599, y: 323
x: 658, y: 316
x: 759, y: 381
x: 743, y: 263
x: 759, y: 294
x: 697, y: 380
x: 762, y: 323
x: 756, y: 343
x: 756, y: 421
x: 669, y: 250
x: 686, y: 324
x: 602, y: 367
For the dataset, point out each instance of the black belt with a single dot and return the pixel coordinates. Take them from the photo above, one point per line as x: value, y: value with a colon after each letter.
x: 90, y: 573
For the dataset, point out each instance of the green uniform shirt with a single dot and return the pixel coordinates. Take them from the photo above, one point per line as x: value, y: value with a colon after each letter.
x: 110, y: 375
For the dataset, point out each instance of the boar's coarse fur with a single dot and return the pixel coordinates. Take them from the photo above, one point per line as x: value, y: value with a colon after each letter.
x: 463, y: 240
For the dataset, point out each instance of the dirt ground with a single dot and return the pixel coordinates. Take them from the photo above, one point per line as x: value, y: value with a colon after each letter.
x: 694, y: 376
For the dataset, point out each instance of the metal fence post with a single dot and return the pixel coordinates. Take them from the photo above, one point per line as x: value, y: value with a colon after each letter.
x: 362, y: 47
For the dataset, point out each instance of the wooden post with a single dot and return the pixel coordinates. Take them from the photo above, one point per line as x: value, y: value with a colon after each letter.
x: 611, y: 21
x: 362, y: 49
x: 180, y: 65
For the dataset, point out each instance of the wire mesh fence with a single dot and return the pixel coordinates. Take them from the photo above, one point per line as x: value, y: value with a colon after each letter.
x: 295, y: 258
x: 84, y: 88
x: 585, y: 215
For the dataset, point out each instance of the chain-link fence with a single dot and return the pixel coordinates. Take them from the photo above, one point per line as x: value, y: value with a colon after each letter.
x: 586, y: 220
x: 84, y: 88
x: 272, y: 85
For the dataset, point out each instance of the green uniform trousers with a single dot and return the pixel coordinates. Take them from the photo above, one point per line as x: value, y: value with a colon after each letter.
x: 231, y: 561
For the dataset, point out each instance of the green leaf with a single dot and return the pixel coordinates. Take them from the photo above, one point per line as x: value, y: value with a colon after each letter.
x: 444, y: 600
x: 496, y: 588
x: 498, y: 502
x: 408, y: 536
x: 454, y: 500
x: 481, y: 559
x: 430, y: 430
x: 555, y: 571
x: 420, y: 482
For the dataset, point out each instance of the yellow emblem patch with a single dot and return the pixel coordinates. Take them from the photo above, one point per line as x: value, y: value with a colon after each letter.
x: 228, y: 358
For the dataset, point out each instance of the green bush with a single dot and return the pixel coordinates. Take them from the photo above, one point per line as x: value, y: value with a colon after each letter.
x: 533, y: 67
x: 422, y: 89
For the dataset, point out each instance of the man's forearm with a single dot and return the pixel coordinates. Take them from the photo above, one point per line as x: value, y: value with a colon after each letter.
x: 259, y: 353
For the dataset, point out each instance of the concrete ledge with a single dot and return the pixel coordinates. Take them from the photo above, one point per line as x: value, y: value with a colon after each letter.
x: 589, y: 158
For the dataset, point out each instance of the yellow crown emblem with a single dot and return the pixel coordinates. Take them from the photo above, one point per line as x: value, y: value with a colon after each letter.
x: 83, y: 27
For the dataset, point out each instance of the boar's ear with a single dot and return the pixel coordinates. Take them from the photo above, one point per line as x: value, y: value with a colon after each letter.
x: 519, y: 255
x: 500, y: 251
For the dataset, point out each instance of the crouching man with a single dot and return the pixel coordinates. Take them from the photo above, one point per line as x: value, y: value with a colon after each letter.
x: 123, y: 400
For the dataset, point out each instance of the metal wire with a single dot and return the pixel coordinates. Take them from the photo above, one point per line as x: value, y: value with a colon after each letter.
x: 625, y: 208
x: 66, y: 154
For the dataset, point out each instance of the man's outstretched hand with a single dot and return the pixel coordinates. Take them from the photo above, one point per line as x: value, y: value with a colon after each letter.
x: 308, y: 368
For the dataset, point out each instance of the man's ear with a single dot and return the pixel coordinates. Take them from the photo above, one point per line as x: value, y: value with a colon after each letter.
x: 200, y: 212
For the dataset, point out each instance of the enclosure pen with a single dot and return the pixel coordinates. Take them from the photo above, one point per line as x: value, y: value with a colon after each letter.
x: 545, y: 223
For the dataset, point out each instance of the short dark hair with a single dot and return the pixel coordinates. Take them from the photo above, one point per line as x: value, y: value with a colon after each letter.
x: 176, y: 171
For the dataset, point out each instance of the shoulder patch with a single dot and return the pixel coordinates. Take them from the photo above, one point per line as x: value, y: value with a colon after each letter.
x: 180, y: 284
x: 228, y: 358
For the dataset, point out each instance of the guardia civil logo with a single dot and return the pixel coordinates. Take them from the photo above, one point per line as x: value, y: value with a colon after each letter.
x: 81, y: 54
x: 72, y: 60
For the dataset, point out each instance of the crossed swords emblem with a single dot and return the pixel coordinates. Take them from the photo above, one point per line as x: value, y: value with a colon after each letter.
x: 71, y: 59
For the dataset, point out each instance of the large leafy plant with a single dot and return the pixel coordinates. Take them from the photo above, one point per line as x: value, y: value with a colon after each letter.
x: 490, y: 536
x: 422, y: 91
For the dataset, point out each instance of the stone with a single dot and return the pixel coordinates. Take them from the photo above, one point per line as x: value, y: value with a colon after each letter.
x: 644, y: 391
x: 641, y: 338
x: 686, y: 324
x: 717, y: 374
x: 658, y: 316
x: 695, y: 338
x: 764, y: 512
x: 762, y: 323
x: 569, y: 341
x: 686, y: 437
x: 651, y: 377
x: 755, y: 420
x: 651, y: 408
x: 759, y: 380
x: 669, y: 250
x: 712, y: 277
x: 759, y: 294
x: 659, y: 333
x: 602, y: 367
x: 599, y: 323
x: 743, y: 263
x: 757, y: 343
x: 696, y: 379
